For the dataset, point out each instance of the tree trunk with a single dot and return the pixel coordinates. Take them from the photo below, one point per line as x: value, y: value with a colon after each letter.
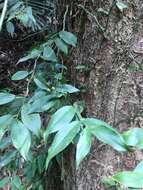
x: 111, y: 92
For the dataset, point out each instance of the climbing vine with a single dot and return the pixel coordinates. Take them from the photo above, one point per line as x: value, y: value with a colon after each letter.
x: 41, y: 120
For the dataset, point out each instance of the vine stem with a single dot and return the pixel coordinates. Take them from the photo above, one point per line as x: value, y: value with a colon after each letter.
x: 31, y: 78
x: 65, y: 15
x: 92, y: 15
x: 3, y: 13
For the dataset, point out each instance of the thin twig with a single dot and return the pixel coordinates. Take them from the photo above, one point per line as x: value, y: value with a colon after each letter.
x: 3, y: 13
x: 65, y: 15
x: 94, y: 16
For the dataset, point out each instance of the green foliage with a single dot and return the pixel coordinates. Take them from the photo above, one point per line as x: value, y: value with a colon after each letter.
x: 41, y: 120
x: 19, y: 75
x: 30, y: 13
x: 6, y: 98
x: 121, y: 5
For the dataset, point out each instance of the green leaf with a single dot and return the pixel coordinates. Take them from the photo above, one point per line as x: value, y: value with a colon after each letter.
x: 21, y: 138
x: 40, y: 84
x: 59, y: 119
x: 10, y: 28
x: 121, y: 6
x: 134, y: 137
x: 4, y: 124
x: 16, y: 181
x: 108, y: 182
x: 5, y: 142
x: 4, y: 181
x: 49, y: 54
x: 106, y: 133
x: 7, y: 158
x: 139, y: 167
x: 20, y: 75
x: 32, y: 55
x: 6, y: 98
x: 31, y: 121
x: 66, y: 88
x: 37, y: 105
x: 50, y: 105
x: 61, y: 45
x: 84, y: 145
x: 62, y: 139
x: 68, y: 37
x: 129, y: 179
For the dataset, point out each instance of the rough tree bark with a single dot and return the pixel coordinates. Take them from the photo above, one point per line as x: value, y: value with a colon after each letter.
x: 113, y: 94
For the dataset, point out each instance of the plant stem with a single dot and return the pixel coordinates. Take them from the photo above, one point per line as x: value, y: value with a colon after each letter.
x: 65, y: 15
x: 94, y: 16
x: 3, y: 13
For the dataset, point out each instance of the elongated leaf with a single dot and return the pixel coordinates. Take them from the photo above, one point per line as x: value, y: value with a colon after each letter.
x: 20, y: 75
x: 61, y: 45
x: 68, y: 37
x: 5, y: 142
x: 50, y: 105
x: 16, y: 182
x: 37, y: 95
x: 59, y: 119
x: 66, y: 88
x: 10, y: 28
x: 37, y: 105
x: 4, y: 124
x: 6, y: 98
x: 4, y: 181
x: 139, y: 167
x: 129, y: 179
x: 106, y: 133
x: 134, y: 137
x: 40, y: 84
x: 32, y: 55
x: 49, y: 54
x: 84, y: 145
x: 121, y: 6
x: 21, y: 138
x: 31, y: 121
x: 62, y: 139
x: 7, y: 158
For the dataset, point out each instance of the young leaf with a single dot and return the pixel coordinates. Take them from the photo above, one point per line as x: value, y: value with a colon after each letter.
x: 6, y: 98
x: 21, y: 138
x: 31, y: 121
x: 20, y: 75
x: 68, y: 37
x: 121, y: 6
x: 84, y: 145
x: 62, y: 139
x: 61, y: 45
x: 106, y: 133
x: 134, y: 137
x: 129, y: 179
x: 4, y: 124
x: 49, y: 54
x: 59, y: 119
